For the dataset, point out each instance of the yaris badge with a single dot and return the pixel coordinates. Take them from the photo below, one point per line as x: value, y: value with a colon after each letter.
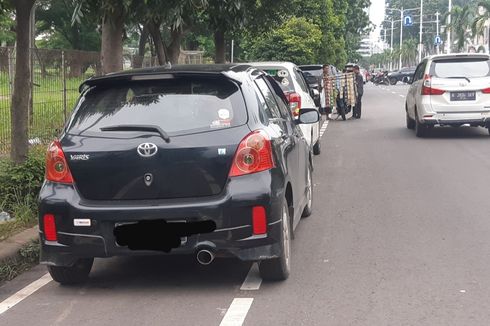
x: 147, y: 149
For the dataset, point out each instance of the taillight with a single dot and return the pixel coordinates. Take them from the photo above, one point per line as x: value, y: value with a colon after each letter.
x: 295, y: 103
x: 427, y: 90
x: 486, y: 90
x: 254, y: 154
x: 49, y: 227
x: 259, y: 220
x: 56, y: 166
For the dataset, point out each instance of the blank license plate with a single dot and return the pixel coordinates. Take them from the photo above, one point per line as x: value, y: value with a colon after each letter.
x: 463, y: 96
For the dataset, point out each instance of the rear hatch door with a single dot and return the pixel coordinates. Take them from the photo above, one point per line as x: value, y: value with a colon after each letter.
x: 465, y: 82
x: 155, y: 139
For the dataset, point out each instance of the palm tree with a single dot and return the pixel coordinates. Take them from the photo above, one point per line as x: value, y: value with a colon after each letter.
x: 409, y: 51
x: 478, y: 27
x: 461, y: 18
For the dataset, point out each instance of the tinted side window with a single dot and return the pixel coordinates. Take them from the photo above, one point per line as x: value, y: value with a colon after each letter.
x: 419, y: 73
x: 299, y: 78
x: 265, y: 112
x: 269, y: 97
x: 283, y: 106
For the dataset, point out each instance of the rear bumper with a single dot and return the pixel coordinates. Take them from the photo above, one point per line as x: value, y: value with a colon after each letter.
x: 474, y: 118
x: 231, y: 212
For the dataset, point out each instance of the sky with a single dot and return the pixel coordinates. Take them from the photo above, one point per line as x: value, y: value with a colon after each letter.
x: 376, y: 15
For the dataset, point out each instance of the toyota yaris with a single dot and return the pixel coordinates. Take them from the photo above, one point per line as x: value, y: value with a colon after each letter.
x: 203, y: 160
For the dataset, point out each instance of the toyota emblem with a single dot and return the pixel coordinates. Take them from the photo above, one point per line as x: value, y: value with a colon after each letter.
x: 147, y: 149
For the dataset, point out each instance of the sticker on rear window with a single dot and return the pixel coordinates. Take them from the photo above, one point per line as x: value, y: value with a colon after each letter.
x: 216, y: 124
x: 224, y: 114
x: 282, y: 73
x: 285, y: 82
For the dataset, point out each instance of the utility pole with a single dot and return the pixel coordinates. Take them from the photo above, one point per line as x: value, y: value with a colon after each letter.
x: 391, y: 44
x: 450, y: 27
x: 232, y: 50
x: 421, y: 46
x: 401, y: 37
x: 437, y: 29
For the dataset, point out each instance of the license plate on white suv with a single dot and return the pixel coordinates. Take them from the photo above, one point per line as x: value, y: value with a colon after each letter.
x: 463, y: 96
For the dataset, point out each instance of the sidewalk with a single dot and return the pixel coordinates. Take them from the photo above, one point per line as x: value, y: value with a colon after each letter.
x: 10, y: 247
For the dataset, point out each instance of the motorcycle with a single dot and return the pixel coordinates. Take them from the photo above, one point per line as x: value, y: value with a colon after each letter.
x: 381, y: 78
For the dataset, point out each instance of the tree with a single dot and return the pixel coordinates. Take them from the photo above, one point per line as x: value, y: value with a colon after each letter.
x: 20, y: 102
x: 297, y: 40
x: 479, y: 23
x: 112, y: 14
x: 461, y: 18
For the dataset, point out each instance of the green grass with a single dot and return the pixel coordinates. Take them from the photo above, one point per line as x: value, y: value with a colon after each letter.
x: 27, y: 258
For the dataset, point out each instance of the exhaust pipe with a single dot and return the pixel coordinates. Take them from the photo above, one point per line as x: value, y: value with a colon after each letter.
x: 205, y: 257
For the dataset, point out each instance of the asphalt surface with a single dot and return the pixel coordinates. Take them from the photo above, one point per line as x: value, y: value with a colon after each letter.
x: 400, y: 235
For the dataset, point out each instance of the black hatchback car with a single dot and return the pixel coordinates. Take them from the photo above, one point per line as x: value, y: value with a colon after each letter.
x: 203, y: 160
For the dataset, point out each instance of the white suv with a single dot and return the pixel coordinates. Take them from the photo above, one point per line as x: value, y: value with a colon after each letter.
x: 450, y: 89
x: 294, y: 86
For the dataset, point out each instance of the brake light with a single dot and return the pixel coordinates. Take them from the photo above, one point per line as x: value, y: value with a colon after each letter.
x: 57, y: 169
x: 427, y: 90
x: 259, y: 220
x: 254, y: 154
x: 50, y: 227
x: 486, y: 91
x: 295, y: 103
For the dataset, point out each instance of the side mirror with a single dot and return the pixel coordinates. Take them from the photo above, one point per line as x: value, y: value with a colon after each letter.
x: 308, y: 116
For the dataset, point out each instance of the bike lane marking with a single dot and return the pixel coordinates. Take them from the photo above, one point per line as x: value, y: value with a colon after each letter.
x: 24, y: 293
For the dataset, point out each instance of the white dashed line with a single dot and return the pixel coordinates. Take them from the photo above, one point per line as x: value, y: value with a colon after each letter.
x: 323, y: 128
x: 235, y: 315
x: 402, y: 96
x: 253, y: 279
x: 24, y: 293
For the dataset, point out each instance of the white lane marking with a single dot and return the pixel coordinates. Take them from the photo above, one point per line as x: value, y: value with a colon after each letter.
x: 253, y: 279
x: 393, y: 92
x: 235, y: 315
x: 402, y: 96
x: 323, y: 128
x: 24, y: 293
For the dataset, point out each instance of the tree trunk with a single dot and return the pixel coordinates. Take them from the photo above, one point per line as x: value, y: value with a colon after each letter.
x: 154, y: 29
x: 219, y: 44
x: 174, y: 46
x: 20, y: 102
x: 112, y: 41
x: 138, y: 59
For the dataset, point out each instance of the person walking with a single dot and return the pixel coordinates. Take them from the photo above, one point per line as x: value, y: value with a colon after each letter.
x: 356, y: 114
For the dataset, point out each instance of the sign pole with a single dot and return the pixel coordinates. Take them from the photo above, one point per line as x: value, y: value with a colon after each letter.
x: 421, y: 46
x: 401, y: 37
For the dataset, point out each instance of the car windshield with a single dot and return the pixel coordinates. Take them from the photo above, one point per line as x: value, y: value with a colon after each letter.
x: 469, y: 68
x: 282, y: 76
x: 177, y: 106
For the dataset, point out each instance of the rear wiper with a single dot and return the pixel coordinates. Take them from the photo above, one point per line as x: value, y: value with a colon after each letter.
x: 151, y: 128
x: 461, y: 77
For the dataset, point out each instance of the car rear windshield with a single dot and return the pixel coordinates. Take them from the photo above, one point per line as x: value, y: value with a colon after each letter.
x: 178, y: 106
x: 282, y: 76
x: 470, y: 68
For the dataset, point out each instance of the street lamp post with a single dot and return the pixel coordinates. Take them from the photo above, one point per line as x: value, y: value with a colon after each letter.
x: 450, y: 27
x: 421, y: 46
x: 437, y: 28
x: 402, y: 12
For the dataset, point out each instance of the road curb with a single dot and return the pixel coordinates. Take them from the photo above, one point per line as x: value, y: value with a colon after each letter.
x: 10, y: 247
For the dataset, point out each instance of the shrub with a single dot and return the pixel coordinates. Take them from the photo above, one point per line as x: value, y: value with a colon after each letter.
x: 20, y: 184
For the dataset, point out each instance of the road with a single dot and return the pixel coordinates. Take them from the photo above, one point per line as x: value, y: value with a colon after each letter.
x: 400, y: 235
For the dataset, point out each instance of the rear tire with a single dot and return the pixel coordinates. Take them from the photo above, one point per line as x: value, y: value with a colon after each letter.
x: 317, y: 148
x: 420, y: 129
x: 278, y: 269
x: 309, y: 206
x: 410, y: 122
x: 393, y: 81
x: 76, y: 274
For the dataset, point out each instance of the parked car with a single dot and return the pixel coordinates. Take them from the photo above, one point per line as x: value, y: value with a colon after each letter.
x: 203, y: 160
x: 313, y: 75
x: 403, y: 75
x: 295, y: 87
x: 449, y: 90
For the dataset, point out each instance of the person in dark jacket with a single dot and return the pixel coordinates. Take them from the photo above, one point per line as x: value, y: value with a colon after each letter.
x: 356, y: 114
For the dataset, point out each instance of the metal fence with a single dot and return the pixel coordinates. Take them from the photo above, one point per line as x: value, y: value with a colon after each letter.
x: 56, y: 75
